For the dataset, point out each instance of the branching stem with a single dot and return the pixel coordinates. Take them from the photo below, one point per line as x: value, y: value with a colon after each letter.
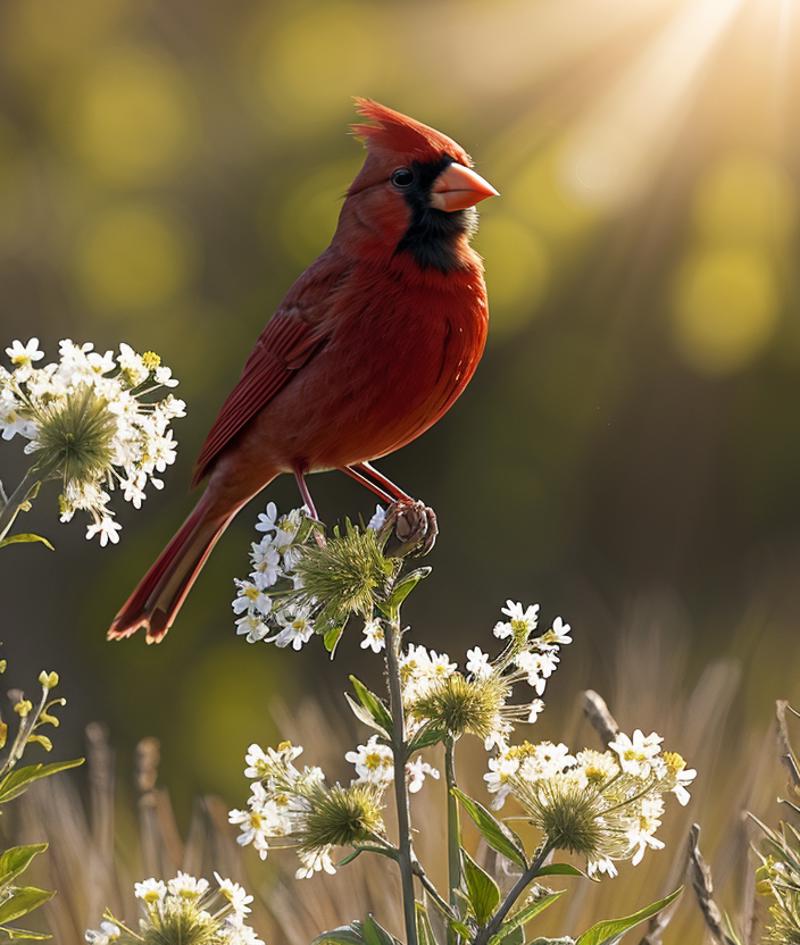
x: 17, y: 499
x: 453, y: 830
x: 405, y: 856
x: 492, y: 927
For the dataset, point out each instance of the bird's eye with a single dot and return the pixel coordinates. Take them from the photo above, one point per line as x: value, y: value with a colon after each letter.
x: 403, y: 177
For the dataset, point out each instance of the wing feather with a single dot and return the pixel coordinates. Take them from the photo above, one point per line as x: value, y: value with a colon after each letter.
x: 291, y: 338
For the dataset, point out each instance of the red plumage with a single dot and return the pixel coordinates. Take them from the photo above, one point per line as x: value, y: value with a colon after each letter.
x: 369, y: 348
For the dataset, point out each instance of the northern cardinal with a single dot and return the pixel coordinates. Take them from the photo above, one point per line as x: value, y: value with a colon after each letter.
x: 369, y: 348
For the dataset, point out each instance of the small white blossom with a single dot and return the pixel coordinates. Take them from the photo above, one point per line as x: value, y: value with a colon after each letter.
x: 416, y: 772
x: 107, y: 933
x: 478, y: 663
x: 150, y: 890
x: 637, y: 754
x: 378, y: 519
x: 373, y: 636
x: 374, y: 762
x: 522, y: 621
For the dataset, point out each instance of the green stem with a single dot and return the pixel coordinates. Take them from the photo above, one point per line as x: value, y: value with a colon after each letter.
x: 17, y: 499
x: 405, y: 857
x: 432, y: 891
x: 492, y: 927
x: 453, y: 830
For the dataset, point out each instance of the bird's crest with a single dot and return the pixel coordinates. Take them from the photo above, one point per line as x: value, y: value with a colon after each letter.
x: 395, y: 132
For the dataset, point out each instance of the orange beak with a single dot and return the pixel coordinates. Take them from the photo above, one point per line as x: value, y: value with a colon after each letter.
x: 459, y: 187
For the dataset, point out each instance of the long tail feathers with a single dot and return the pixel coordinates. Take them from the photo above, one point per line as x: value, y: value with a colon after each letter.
x: 161, y: 592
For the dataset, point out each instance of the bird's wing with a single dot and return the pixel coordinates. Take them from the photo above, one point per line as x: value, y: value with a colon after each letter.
x: 291, y: 338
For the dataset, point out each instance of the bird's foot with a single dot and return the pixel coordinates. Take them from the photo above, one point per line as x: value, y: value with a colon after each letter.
x: 414, y: 529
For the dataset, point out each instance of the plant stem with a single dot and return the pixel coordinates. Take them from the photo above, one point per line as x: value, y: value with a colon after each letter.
x: 453, y: 830
x: 432, y: 891
x: 17, y: 499
x: 519, y: 887
x: 405, y: 857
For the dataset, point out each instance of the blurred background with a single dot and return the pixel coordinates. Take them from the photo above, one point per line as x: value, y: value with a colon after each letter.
x: 628, y: 453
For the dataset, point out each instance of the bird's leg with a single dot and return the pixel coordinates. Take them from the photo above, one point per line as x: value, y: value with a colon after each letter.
x: 352, y: 472
x: 415, y: 524
x: 302, y: 485
x: 386, y: 484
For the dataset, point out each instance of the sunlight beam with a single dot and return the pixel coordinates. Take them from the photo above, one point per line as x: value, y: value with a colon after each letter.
x: 617, y: 146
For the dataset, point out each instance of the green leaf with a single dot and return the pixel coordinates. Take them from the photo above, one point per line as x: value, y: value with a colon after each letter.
x: 16, y: 860
x: 373, y: 705
x: 18, y: 780
x: 517, y: 937
x: 482, y: 891
x: 14, y: 935
x: 331, y: 639
x: 375, y: 934
x: 523, y: 915
x: 26, y: 538
x: 564, y: 869
x: 564, y: 940
x: 611, y: 931
x: 344, y: 935
x: 425, y: 934
x: 24, y: 899
x: 460, y: 928
x: 499, y: 837
x: 401, y: 591
x: 429, y: 734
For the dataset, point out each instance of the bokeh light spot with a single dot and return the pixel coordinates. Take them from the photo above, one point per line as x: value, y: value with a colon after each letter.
x: 133, y: 257
x: 543, y: 191
x: 746, y: 199
x: 308, y: 217
x: 38, y: 34
x: 309, y: 66
x: 518, y: 271
x: 726, y: 309
x: 130, y: 118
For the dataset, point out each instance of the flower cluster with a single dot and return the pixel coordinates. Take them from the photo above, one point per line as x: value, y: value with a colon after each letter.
x: 292, y: 807
x: 477, y: 701
x: 183, y: 911
x: 374, y: 764
x: 606, y: 806
x: 778, y: 879
x: 300, y: 584
x: 91, y: 422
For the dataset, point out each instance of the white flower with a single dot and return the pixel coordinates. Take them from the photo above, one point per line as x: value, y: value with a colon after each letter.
x: 535, y: 710
x: 478, y: 663
x: 107, y: 933
x: 377, y: 521
x: 522, y: 622
x: 373, y: 762
x: 297, y: 629
x: 637, y: 755
x: 559, y: 633
x: 603, y: 865
x: 373, y: 636
x: 89, y: 419
x: 684, y: 777
x: 268, y: 519
x: 106, y: 528
x: 251, y: 597
x: 23, y: 355
x: 498, y: 777
x: 416, y: 771
x: 235, y: 894
x: 314, y: 861
x: 150, y: 891
x: 266, y: 563
x: 252, y: 627
x: 187, y: 887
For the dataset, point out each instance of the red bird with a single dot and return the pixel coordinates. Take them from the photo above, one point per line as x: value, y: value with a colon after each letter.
x: 369, y: 348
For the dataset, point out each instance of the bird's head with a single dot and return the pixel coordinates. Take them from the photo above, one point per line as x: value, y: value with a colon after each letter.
x: 415, y: 194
